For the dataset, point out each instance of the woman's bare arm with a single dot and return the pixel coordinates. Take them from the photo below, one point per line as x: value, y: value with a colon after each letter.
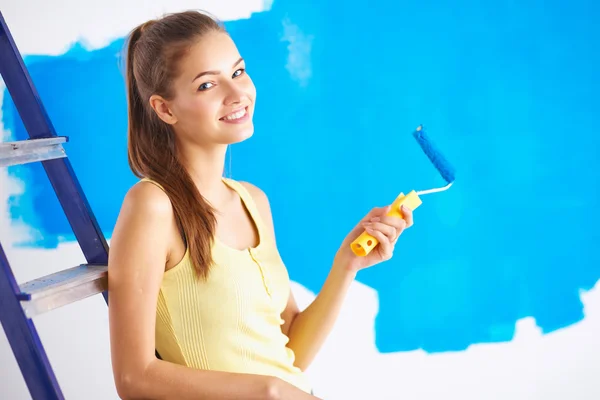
x: 140, y: 247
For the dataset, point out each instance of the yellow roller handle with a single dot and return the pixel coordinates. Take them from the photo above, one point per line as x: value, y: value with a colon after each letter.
x: 363, y: 244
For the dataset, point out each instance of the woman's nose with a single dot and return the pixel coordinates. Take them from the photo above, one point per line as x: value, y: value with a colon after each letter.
x: 235, y: 94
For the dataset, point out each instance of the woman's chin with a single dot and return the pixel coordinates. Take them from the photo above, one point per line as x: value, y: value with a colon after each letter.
x: 239, y: 135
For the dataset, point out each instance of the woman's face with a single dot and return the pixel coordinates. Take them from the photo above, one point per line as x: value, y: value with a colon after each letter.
x: 214, y: 97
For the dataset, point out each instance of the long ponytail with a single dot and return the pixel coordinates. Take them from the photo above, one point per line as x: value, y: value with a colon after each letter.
x: 153, y: 51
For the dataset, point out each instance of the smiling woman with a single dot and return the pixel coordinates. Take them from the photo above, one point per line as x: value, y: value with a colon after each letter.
x: 211, y: 90
x: 194, y: 270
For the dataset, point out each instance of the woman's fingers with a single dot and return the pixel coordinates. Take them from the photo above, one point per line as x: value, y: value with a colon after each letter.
x: 392, y: 226
x: 387, y: 248
x: 407, y: 215
x: 390, y: 231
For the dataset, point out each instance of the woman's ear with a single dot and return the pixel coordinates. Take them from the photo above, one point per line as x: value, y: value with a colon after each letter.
x: 162, y: 109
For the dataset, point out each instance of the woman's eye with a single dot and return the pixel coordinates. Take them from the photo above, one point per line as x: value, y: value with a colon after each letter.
x: 238, y: 72
x: 205, y: 86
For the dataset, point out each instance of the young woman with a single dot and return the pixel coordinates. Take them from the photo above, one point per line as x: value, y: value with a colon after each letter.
x: 194, y: 271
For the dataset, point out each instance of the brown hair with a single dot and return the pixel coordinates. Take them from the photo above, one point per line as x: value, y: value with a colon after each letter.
x: 154, y: 51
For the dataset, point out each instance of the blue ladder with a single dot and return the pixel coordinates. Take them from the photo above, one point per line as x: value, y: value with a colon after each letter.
x: 20, y: 303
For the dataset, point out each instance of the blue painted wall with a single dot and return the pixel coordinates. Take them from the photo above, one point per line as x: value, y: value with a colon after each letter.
x: 510, y: 94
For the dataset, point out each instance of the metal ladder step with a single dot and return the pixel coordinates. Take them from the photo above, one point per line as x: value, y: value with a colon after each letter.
x: 31, y: 150
x: 19, y: 303
x: 61, y: 288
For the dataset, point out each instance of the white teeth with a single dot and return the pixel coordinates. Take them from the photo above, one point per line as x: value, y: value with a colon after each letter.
x: 236, y: 115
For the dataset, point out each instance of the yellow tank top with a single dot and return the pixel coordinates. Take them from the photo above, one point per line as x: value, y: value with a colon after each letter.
x: 232, y: 321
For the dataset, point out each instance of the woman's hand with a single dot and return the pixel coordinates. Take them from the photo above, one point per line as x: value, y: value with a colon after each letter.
x: 384, y: 228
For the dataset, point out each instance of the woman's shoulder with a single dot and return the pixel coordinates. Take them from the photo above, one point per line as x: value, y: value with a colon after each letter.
x: 143, y: 226
x: 147, y: 196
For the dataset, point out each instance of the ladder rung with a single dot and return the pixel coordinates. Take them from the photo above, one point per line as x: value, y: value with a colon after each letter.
x: 61, y: 288
x: 31, y: 150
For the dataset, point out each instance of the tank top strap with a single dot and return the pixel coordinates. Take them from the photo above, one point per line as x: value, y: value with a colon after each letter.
x: 235, y: 185
x: 250, y: 205
x: 154, y: 183
x: 247, y: 199
x: 244, y: 194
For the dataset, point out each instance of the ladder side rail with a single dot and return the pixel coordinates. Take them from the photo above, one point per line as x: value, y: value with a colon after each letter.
x: 24, y: 339
x: 60, y: 172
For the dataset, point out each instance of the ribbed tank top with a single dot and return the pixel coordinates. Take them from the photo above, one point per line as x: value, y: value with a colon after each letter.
x: 231, y: 321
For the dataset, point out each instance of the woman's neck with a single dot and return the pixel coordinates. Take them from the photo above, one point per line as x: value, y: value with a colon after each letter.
x: 205, y: 167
